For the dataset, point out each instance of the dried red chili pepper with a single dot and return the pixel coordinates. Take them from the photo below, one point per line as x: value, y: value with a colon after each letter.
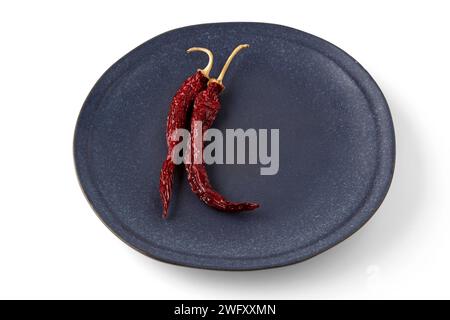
x: 206, y: 107
x: 181, y: 102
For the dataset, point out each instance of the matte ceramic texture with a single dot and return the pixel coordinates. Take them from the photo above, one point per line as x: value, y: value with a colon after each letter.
x: 337, y: 148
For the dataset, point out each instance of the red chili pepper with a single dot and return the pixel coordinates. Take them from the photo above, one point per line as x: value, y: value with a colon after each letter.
x: 206, y: 107
x: 176, y: 119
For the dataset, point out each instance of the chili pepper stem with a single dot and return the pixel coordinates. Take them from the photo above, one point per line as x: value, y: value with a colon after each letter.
x: 225, y: 67
x: 206, y: 70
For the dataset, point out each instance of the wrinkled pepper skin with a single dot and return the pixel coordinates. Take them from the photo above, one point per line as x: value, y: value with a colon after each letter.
x: 206, y: 107
x: 181, y: 102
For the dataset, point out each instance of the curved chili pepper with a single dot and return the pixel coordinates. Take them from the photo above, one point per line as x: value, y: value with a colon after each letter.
x: 206, y: 107
x: 181, y: 102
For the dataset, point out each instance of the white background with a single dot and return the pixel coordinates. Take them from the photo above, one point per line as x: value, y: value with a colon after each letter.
x: 53, y: 246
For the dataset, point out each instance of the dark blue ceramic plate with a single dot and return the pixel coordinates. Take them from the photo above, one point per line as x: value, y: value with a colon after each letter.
x: 337, y: 148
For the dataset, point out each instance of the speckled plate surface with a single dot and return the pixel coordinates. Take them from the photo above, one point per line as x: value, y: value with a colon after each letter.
x: 337, y: 148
